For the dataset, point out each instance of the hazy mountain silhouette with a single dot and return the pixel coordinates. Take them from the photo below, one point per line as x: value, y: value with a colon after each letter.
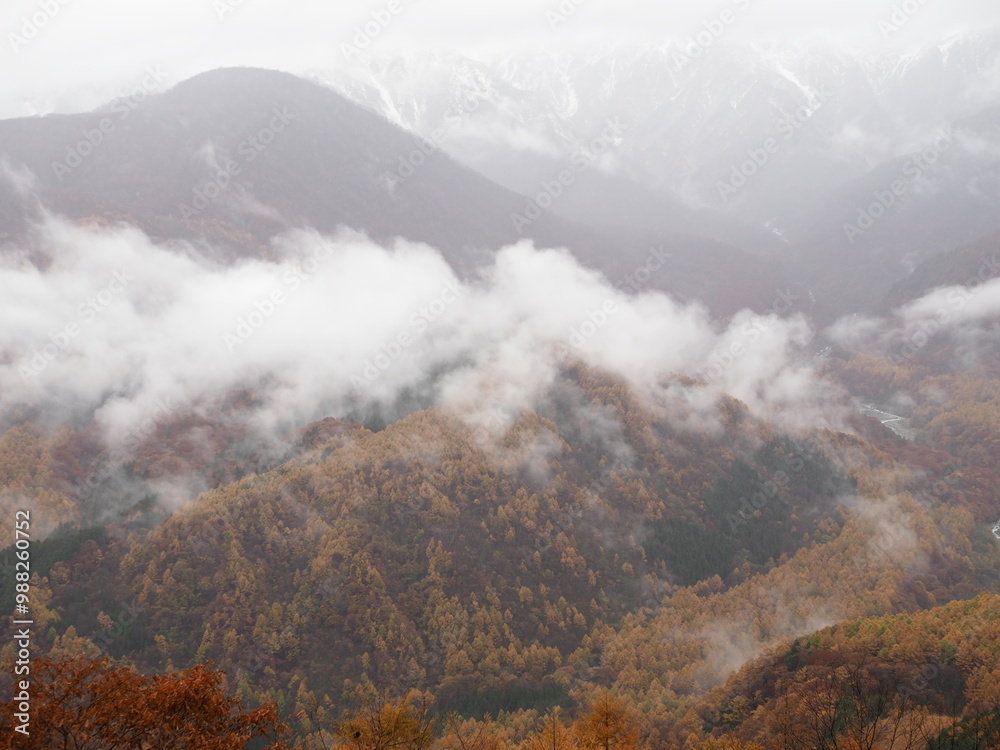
x: 233, y: 156
x: 844, y: 126
x: 970, y: 265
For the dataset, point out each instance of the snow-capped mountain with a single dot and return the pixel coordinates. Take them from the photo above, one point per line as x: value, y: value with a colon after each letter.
x: 757, y: 144
x: 687, y: 120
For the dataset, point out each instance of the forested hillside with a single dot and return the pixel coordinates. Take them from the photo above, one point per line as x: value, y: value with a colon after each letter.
x: 604, y: 543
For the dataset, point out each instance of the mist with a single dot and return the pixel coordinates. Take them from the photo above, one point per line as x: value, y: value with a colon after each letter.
x: 115, y: 324
x: 553, y: 351
x: 962, y: 315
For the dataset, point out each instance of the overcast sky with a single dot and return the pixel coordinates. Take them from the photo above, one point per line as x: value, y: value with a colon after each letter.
x: 91, y: 50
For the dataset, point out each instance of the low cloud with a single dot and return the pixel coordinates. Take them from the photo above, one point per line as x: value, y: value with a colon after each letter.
x: 116, y: 325
x: 963, y: 313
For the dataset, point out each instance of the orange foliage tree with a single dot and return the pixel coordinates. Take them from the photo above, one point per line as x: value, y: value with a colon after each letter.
x: 609, y: 725
x: 552, y: 735
x: 89, y: 704
x: 384, y: 724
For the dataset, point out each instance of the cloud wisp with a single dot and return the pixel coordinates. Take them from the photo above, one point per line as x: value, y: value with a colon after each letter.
x: 115, y: 325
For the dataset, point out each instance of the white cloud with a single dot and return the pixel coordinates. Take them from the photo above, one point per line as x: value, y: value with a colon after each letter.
x: 91, y: 50
x: 118, y: 324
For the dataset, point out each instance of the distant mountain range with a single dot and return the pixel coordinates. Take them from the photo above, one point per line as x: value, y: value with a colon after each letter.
x: 232, y: 157
x: 521, y: 530
x: 751, y: 169
x: 970, y: 265
x: 772, y: 149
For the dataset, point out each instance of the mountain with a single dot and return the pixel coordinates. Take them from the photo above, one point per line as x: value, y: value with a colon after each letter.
x: 511, y: 537
x: 877, y: 228
x: 769, y: 148
x: 431, y: 556
x: 970, y: 265
x: 926, y: 680
x: 232, y: 157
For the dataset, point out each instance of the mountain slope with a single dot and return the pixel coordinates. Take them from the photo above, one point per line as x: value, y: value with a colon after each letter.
x: 970, y: 265
x: 929, y: 679
x: 231, y: 157
x: 842, y: 125
x: 599, y: 542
